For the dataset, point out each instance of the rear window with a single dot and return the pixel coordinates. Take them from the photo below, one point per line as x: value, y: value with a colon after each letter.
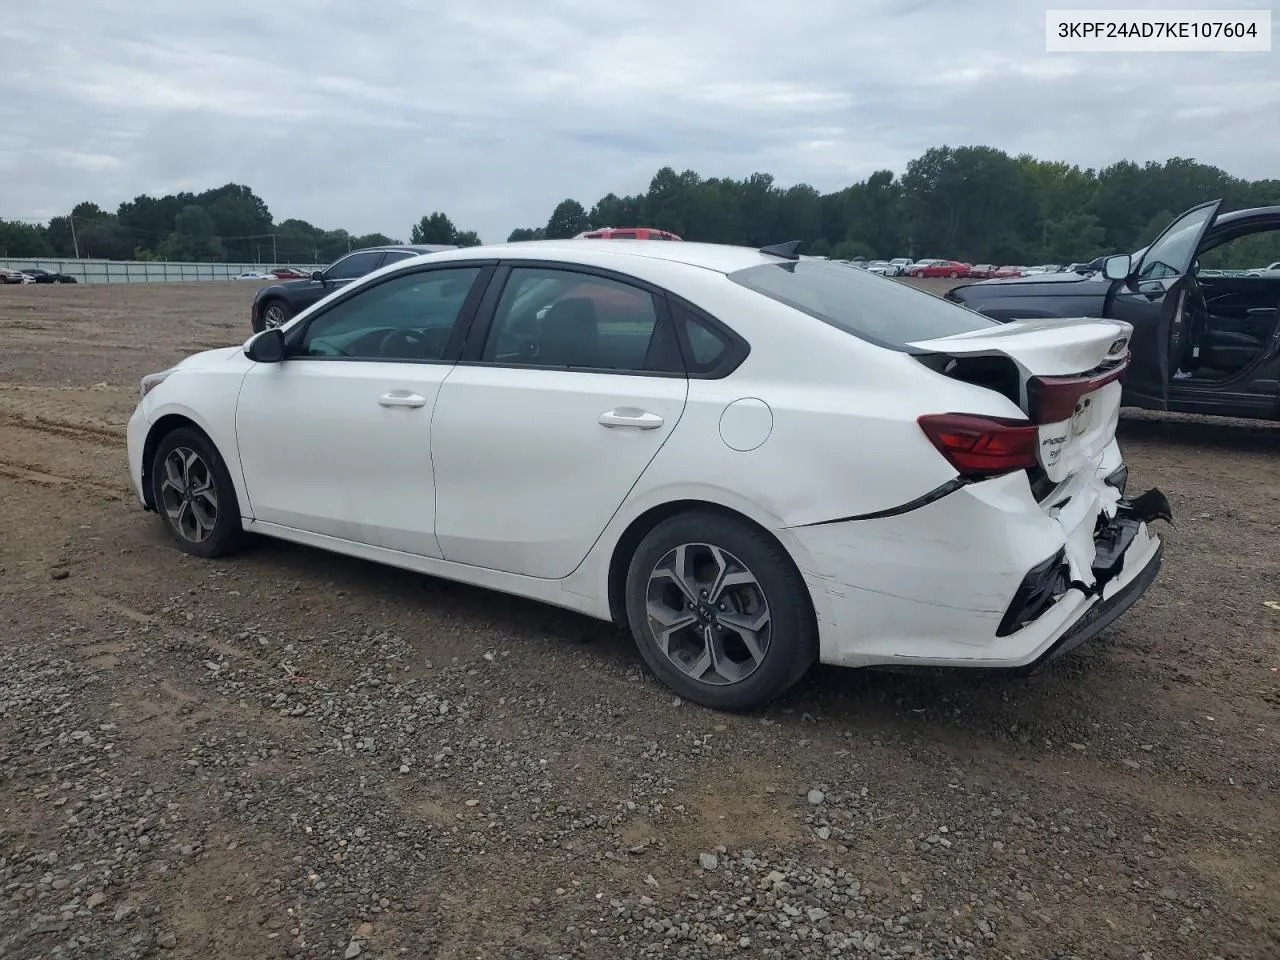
x: 878, y: 309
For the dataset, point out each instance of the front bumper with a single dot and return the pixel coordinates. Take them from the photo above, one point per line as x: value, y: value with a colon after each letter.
x: 135, y: 440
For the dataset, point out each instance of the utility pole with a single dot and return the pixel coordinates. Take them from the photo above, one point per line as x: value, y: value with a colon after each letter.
x: 74, y: 242
x: 275, y: 260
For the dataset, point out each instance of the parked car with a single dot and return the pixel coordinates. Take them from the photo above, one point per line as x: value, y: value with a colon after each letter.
x: 754, y: 460
x: 1270, y: 271
x: 627, y: 233
x: 881, y: 267
x: 1201, y: 343
x: 44, y: 276
x: 288, y: 273
x: 1007, y: 271
x: 982, y: 270
x: 940, y: 268
x: 276, y: 303
x: 254, y: 275
x: 10, y: 276
x: 902, y: 263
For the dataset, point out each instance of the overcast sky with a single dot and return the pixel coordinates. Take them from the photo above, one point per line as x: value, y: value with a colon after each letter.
x: 366, y: 114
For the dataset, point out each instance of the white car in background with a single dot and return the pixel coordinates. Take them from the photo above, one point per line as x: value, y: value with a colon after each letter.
x: 1271, y: 271
x: 754, y: 460
x: 881, y: 267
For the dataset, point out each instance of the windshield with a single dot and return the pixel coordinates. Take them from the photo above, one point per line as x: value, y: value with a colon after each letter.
x: 884, y: 311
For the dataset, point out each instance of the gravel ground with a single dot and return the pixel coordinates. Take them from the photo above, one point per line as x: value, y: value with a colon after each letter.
x: 292, y: 754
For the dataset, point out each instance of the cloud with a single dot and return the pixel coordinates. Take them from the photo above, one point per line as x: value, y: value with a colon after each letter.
x: 369, y: 115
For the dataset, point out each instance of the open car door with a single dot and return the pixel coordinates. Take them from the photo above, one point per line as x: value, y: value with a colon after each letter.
x: 1151, y: 298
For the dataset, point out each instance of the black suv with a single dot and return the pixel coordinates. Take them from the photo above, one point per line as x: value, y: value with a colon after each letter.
x: 276, y: 303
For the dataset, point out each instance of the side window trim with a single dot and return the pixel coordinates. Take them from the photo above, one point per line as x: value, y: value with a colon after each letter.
x: 461, y: 327
x: 482, y: 323
x: 735, y: 353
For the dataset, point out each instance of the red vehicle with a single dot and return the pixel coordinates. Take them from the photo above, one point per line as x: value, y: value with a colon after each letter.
x: 941, y: 268
x: 1003, y: 272
x: 288, y: 273
x: 627, y: 233
x: 981, y: 271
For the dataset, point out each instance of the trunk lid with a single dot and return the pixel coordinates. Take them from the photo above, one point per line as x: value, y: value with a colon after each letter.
x: 1063, y: 373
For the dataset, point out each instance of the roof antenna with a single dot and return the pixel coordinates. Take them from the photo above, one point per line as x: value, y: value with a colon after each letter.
x: 785, y: 250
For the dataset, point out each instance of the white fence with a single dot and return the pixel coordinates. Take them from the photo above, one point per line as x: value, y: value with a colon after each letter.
x: 147, y: 271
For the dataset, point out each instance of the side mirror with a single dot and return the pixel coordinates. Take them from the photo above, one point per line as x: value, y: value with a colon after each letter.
x: 266, y: 347
x: 1117, y: 267
x: 317, y: 275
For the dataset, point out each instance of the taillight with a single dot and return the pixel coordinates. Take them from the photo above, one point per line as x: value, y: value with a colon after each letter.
x: 982, y: 446
x: 1054, y: 399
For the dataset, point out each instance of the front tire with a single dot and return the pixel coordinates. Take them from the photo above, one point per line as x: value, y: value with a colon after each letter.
x: 719, y: 611
x: 194, y: 495
x: 274, y: 313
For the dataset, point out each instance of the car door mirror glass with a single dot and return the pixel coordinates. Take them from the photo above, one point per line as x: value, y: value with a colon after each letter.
x: 1117, y: 267
x: 266, y: 347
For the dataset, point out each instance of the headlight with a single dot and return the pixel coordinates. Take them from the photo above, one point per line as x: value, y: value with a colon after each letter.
x: 151, y: 381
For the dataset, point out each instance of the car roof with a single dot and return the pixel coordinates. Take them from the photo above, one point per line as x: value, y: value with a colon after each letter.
x: 1247, y: 213
x: 718, y: 257
x: 415, y: 247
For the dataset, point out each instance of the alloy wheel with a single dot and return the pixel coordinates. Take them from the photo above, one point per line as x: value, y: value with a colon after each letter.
x: 708, y: 614
x: 188, y: 494
x: 273, y: 316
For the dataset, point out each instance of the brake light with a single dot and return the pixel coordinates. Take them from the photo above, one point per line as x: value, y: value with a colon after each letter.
x: 1054, y: 399
x: 982, y: 446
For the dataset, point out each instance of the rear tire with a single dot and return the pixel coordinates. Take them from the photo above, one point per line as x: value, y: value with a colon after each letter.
x: 953, y: 275
x: 194, y: 496
x: 719, y: 611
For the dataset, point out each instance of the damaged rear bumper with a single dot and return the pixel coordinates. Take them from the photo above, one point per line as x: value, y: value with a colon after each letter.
x: 984, y: 578
x: 1102, y: 615
x: 1045, y: 583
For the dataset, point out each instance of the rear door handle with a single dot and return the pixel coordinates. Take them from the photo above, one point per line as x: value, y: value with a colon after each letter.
x: 630, y: 417
x: 402, y: 398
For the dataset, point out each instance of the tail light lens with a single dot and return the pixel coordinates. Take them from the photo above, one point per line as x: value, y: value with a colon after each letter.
x: 982, y: 446
x: 1054, y: 399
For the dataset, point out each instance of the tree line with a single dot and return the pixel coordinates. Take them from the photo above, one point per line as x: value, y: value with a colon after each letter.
x: 229, y: 224
x: 977, y: 204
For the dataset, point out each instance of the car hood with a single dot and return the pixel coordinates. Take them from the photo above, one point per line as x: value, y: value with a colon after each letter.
x: 279, y: 285
x: 208, y: 358
x: 300, y: 282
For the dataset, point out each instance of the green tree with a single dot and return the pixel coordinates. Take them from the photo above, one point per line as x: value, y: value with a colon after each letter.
x: 23, y: 240
x: 521, y: 234
x: 193, y: 237
x: 434, y: 228
x: 568, y: 219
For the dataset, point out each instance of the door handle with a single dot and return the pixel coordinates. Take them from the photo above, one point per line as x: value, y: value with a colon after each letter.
x: 400, y: 398
x: 630, y: 417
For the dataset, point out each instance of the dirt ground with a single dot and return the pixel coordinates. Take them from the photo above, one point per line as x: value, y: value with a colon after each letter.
x: 288, y: 753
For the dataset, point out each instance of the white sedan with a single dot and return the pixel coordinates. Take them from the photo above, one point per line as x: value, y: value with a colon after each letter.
x: 755, y: 460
